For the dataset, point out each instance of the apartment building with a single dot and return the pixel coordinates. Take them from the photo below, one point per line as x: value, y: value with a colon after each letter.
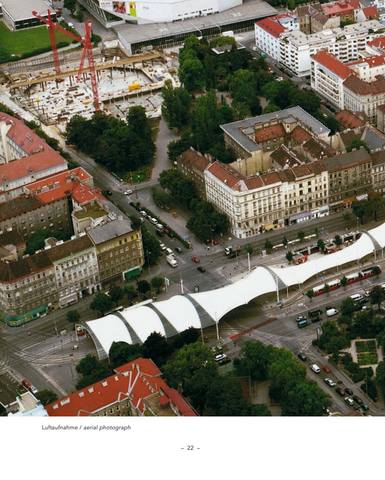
x: 24, y: 157
x: 327, y: 77
x: 76, y: 269
x: 294, y: 48
x: 259, y: 203
x: 358, y: 86
x: 135, y: 389
x: 251, y: 137
x: 119, y: 250
x: 378, y: 171
x: 193, y: 164
x: 350, y: 175
x: 28, y: 214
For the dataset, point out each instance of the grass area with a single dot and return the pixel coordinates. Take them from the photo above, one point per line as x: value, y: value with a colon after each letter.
x: 24, y: 43
x: 138, y: 176
x: 366, y: 352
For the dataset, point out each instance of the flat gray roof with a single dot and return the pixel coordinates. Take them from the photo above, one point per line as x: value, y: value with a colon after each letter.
x: 235, y: 129
x: 251, y: 9
x: 110, y: 230
x: 21, y: 9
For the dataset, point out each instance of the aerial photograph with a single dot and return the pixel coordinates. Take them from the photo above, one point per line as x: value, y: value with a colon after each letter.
x: 192, y: 209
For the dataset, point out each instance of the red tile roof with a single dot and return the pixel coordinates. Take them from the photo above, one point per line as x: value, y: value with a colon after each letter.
x: 269, y: 133
x: 225, y: 173
x: 74, y: 182
x: 332, y: 63
x: 300, y: 135
x: 371, y: 12
x: 26, y: 166
x: 271, y: 26
x: 349, y: 120
x: 377, y: 42
x: 338, y: 8
x: 136, y: 380
x: 23, y: 136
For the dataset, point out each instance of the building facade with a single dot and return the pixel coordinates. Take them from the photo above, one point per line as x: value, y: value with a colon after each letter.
x: 119, y: 250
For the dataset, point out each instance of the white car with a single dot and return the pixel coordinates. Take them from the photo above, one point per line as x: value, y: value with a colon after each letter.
x: 127, y: 192
x: 169, y: 251
x: 143, y: 213
x: 330, y: 382
x: 153, y: 220
x: 330, y: 312
x: 162, y: 247
x: 315, y: 368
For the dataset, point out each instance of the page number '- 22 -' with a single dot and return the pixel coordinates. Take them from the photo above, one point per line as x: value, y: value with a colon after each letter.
x: 190, y: 448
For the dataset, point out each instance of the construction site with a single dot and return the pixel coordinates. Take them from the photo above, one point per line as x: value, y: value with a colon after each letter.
x: 66, y: 85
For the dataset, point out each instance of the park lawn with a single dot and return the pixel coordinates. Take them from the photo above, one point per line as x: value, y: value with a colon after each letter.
x: 367, y: 358
x: 29, y: 40
x: 366, y: 346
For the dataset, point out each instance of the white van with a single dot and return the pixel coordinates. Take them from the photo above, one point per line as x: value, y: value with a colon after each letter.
x: 357, y: 297
x: 330, y: 312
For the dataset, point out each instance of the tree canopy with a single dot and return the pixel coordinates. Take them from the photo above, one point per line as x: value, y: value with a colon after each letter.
x: 118, y: 145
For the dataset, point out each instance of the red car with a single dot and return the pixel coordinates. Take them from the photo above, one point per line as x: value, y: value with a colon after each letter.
x: 195, y: 259
x: 326, y: 369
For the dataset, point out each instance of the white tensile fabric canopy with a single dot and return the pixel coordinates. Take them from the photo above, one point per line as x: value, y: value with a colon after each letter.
x: 178, y: 313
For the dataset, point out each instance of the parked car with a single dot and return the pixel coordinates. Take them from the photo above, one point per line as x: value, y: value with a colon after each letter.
x: 195, y: 259
x: 169, y: 251
x: 326, y: 369
x: 349, y: 401
x: 330, y: 382
x: 301, y: 318
x: 153, y: 220
x: 162, y: 246
x: 127, y: 192
x: 349, y: 392
x: 201, y: 269
x: 358, y: 400
x: 143, y: 213
x: 107, y: 192
x: 315, y: 368
x: 302, y: 356
x: 340, y: 391
x: 178, y: 249
x: 330, y: 312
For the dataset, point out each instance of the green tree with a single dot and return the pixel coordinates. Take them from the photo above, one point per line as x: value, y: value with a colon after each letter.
x: 102, y: 303
x: 291, y: 4
x: 377, y: 296
x: 305, y: 398
x: 192, y: 74
x: 206, y: 222
x: 249, y: 249
x: 301, y: 236
x: 254, y: 360
x: 91, y: 370
x: 344, y: 281
x: 243, y: 88
x: 289, y: 256
x: 3, y: 411
x: 116, y: 293
x: 268, y: 246
x: 186, y: 362
x: 143, y: 286
x: 321, y: 245
x: 357, y: 144
x: 70, y: 5
x: 151, y: 247
x: 348, y: 307
x: 310, y: 293
x: 284, y: 371
x: 285, y: 241
x: 176, y: 106
x: 73, y: 316
x: 224, y: 398
x: 183, y: 190
x: 338, y: 240
x: 157, y: 348
x: 121, y: 353
x: 130, y: 292
x: 157, y: 283
x: 46, y: 396
x: 260, y: 410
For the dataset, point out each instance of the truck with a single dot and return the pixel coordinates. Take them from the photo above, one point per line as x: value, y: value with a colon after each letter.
x: 171, y: 260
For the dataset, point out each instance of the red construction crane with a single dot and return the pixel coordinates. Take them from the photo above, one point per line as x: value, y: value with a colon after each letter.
x: 87, y: 51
